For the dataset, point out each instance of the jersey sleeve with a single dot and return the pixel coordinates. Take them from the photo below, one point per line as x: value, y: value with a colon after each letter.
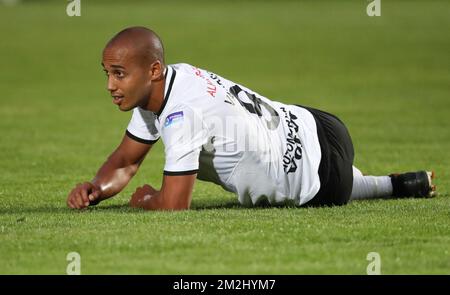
x: 184, y: 135
x: 142, y: 126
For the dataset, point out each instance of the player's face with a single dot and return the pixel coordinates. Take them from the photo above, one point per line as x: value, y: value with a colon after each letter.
x: 129, y: 81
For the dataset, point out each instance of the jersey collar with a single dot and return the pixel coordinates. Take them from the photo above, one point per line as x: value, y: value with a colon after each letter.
x: 169, y: 76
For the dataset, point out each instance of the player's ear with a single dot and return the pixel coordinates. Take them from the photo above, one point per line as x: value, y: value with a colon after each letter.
x: 156, y: 70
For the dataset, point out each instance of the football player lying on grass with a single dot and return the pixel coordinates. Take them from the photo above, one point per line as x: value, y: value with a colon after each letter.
x: 220, y: 131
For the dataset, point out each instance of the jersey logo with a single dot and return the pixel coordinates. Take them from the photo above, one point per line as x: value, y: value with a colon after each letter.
x: 174, y: 118
x: 293, y: 153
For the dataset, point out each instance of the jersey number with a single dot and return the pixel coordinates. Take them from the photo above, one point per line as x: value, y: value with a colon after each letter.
x: 255, y: 106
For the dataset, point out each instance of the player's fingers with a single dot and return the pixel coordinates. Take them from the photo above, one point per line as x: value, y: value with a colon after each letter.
x: 71, y: 198
x: 145, y: 188
x: 74, y: 202
x: 134, y: 201
x: 84, y: 197
x: 69, y: 202
x: 73, y: 205
x: 79, y: 200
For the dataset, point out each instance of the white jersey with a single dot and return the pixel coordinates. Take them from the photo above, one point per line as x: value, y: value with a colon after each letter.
x: 234, y: 137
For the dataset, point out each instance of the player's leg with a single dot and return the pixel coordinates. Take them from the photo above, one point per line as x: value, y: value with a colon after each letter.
x: 370, y: 187
x: 411, y: 184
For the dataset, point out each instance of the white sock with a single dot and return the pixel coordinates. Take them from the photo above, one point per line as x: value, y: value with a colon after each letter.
x: 370, y: 187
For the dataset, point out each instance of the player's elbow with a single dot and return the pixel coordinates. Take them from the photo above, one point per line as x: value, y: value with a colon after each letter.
x: 132, y: 170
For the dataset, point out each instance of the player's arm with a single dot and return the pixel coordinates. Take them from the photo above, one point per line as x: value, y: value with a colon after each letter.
x: 175, y: 194
x: 112, y: 176
x: 184, y: 135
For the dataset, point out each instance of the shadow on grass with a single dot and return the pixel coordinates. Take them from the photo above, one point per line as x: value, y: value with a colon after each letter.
x: 125, y: 208
x: 237, y: 206
x: 53, y: 209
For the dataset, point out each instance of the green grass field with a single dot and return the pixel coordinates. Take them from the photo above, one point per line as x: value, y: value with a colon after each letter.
x: 387, y: 78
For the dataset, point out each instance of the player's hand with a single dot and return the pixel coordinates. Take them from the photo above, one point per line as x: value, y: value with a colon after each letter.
x: 83, y: 195
x: 142, y: 195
